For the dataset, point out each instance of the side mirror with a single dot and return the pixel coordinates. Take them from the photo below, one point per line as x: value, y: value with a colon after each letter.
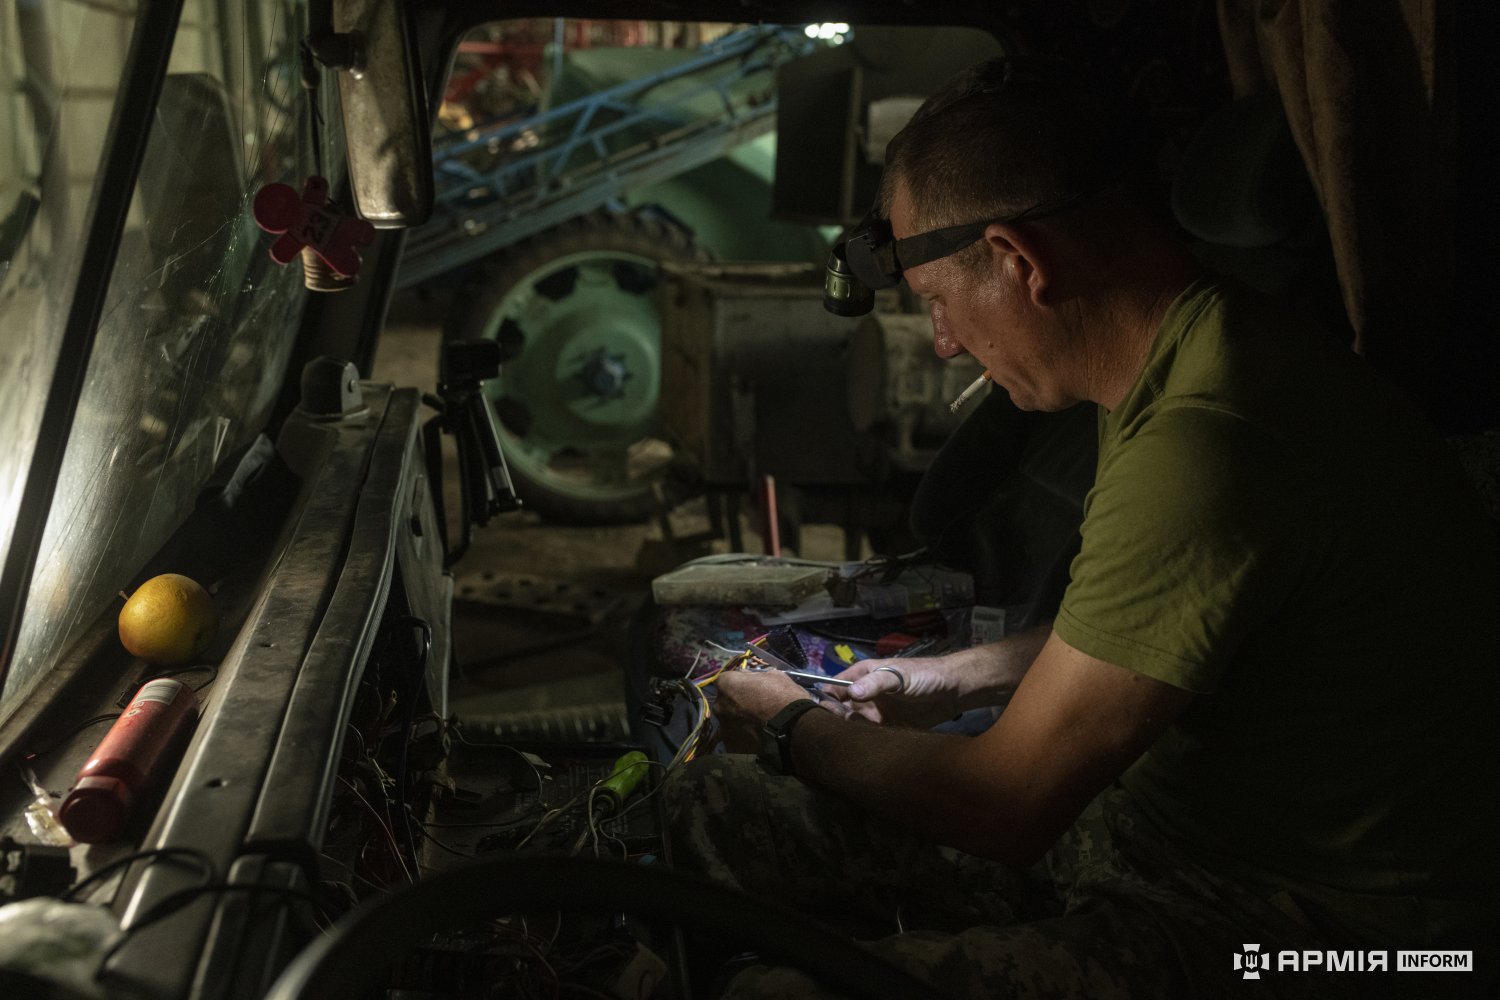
x: 386, y: 130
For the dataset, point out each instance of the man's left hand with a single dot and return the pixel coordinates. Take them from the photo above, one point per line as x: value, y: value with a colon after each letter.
x: 747, y: 700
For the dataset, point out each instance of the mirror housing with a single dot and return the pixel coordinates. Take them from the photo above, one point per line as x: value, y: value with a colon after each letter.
x: 386, y: 127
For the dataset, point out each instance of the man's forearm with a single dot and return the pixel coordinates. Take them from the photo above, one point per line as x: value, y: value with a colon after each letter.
x: 914, y: 778
x: 990, y: 673
x: 920, y: 779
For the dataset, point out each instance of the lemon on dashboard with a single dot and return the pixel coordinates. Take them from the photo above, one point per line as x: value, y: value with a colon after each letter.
x: 169, y: 620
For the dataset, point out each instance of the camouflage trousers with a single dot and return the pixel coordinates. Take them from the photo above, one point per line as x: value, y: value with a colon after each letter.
x: 1112, y: 912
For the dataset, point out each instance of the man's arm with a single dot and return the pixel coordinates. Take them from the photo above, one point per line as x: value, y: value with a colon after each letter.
x: 1073, y: 726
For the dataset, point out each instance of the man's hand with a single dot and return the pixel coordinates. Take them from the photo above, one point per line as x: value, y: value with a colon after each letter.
x: 918, y: 691
x: 746, y: 701
x: 1073, y: 724
x: 921, y: 691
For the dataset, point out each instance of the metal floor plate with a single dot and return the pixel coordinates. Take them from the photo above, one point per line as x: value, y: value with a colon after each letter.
x: 539, y: 594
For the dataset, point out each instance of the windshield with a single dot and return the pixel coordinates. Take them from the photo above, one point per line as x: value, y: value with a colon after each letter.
x: 198, y: 323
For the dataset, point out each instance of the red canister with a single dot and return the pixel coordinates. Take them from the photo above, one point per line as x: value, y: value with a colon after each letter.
x: 134, y: 755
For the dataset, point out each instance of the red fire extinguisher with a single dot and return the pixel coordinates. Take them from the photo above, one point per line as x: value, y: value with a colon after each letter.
x: 133, y: 756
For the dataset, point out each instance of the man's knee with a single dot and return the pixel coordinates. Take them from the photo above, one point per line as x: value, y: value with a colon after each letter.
x: 709, y: 784
x: 716, y: 809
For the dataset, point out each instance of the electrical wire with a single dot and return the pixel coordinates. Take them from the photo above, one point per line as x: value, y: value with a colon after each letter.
x: 694, y: 689
x: 408, y: 725
x: 457, y: 728
x: 552, y: 814
x: 382, y: 824
x: 212, y: 668
x: 451, y: 850
x: 487, y: 824
x: 695, y: 737
x: 593, y: 819
x: 108, y: 717
x: 174, y: 901
x: 632, y: 806
x: 154, y: 853
x: 586, y: 795
x: 349, y: 869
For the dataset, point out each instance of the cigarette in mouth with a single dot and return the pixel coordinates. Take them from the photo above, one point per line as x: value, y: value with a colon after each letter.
x: 968, y: 393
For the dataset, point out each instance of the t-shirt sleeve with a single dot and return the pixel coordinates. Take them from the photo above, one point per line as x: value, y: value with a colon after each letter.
x: 1189, y: 544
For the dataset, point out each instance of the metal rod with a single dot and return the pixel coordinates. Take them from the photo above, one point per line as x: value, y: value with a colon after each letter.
x: 811, y: 678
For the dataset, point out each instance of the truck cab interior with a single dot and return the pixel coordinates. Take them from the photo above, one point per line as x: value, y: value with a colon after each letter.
x: 186, y: 389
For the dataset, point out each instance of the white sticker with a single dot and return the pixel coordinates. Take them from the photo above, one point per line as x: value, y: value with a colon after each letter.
x: 163, y: 690
x: 986, y: 624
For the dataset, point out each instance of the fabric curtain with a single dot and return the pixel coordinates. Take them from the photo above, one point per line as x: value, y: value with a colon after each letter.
x: 1368, y: 88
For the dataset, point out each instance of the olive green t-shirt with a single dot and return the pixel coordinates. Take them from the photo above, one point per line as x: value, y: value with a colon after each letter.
x: 1273, y: 528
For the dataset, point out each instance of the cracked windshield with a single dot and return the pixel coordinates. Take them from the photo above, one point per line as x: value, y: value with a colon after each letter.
x: 197, y: 324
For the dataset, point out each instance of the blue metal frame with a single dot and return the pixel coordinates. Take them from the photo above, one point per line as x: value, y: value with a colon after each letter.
x: 480, y: 209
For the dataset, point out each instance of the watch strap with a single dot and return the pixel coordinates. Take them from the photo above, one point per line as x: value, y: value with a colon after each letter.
x: 776, y: 747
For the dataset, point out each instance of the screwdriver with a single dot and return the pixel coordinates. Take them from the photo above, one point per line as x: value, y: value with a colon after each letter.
x: 806, y: 677
x: 609, y: 794
x: 627, y: 774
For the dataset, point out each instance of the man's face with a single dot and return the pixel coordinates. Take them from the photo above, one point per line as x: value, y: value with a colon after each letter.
x: 989, y: 314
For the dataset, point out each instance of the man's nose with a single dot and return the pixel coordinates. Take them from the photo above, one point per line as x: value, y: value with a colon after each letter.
x: 943, y: 341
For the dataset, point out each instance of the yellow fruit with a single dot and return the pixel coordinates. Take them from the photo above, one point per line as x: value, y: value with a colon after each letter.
x: 169, y: 620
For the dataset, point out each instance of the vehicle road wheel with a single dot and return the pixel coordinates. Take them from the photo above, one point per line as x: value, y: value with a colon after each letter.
x: 576, y: 311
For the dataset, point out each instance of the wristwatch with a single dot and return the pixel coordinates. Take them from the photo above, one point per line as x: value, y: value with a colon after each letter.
x: 776, y: 737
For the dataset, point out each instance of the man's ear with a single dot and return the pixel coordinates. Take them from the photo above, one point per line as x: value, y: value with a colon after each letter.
x: 1033, y: 256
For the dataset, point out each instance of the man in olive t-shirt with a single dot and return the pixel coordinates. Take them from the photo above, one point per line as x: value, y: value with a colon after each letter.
x: 1272, y: 526
x: 1264, y: 722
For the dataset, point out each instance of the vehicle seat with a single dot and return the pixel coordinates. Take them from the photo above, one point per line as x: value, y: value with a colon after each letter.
x: 1242, y: 195
x: 1003, y: 501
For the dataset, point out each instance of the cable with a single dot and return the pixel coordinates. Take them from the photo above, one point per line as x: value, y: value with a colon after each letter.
x: 212, y: 668
x: 586, y: 794
x: 486, y: 824
x: 694, y: 689
x: 457, y: 728
x: 174, y: 901
x: 450, y: 850
x: 408, y: 724
x: 552, y: 814
x: 384, y: 826
x: 614, y: 820
x: 100, y: 874
x: 108, y: 717
x: 593, y: 819
x: 349, y: 869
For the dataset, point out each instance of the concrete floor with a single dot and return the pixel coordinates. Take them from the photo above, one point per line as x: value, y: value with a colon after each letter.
x: 541, y: 610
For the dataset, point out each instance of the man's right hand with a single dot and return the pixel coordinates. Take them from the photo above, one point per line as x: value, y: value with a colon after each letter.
x: 922, y: 691
x: 919, y: 691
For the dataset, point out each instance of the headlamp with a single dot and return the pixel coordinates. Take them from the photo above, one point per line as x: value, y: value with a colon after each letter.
x: 843, y: 293
x: 870, y: 257
x: 859, y: 264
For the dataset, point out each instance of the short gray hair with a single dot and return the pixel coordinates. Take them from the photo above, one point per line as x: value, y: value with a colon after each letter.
x: 1007, y: 135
